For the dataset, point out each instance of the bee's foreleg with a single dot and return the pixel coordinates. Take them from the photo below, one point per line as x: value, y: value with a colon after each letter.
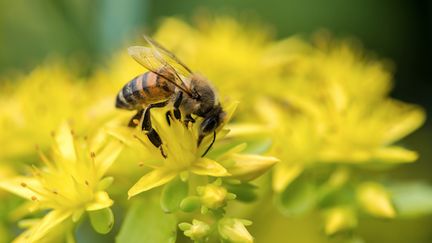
x: 177, y: 102
x: 168, y: 116
x: 134, y: 121
x: 188, y: 118
x: 152, y: 135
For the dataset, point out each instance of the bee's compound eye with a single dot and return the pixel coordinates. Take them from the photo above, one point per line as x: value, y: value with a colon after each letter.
x: 209, y: 125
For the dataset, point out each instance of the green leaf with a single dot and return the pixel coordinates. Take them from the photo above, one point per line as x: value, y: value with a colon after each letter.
x: 145, y: 222
x: 298, y: 198
x: 412, y: 199
x: 172, y: 194
x: 102, y: 220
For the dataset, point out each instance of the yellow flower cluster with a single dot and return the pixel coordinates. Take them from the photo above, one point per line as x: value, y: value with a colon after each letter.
x: 336, y: 109
x: 323, y: 104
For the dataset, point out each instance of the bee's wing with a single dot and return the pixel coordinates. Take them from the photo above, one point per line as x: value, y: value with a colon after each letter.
x: 169, y: 56
x: 154, y: 59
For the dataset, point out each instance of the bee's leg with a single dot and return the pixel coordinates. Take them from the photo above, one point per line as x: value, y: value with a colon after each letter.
x: 134, y: 121
x: 188, y: 118
x: 177, y: 102
x: 211, y: 144
x: 152, y: 135
x: 168, y: 116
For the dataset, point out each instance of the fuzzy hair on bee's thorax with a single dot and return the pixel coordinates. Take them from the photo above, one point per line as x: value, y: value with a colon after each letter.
x: 204, y: 96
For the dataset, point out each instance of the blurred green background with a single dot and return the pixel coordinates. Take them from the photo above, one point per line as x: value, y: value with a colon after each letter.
x: 88, y: 32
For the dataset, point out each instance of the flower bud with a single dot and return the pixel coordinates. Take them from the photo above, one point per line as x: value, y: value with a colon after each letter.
x: 234, y: 230
x: 196, y: 231
x: 247, y: 167
x: 213, y: 196
x: 339, y: 219
x: 375, y: 200
x: 190, y: 204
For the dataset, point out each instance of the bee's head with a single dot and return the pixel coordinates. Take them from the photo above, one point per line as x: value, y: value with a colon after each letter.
x: 204, y: 95
x: 211, y: 122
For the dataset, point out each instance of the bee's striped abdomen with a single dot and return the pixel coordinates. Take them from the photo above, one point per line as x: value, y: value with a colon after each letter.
x: 125, y: 99
x: 143, y: 90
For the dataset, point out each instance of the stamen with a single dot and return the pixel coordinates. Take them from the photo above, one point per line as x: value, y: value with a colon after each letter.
x: 135, y: 121
x: 33, y: 198
x: 33, y: 189
x: 42, y: 157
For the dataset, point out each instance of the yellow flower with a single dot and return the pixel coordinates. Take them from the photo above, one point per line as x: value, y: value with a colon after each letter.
x: 335, y: 109
x: 179, y: 144
x: 70, y: 184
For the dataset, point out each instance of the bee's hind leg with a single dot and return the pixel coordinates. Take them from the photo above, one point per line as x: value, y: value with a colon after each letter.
x: 134, y: 121
x: 152, y: 135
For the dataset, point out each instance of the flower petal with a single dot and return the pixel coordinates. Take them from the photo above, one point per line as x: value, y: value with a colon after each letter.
x: 395, y: 154
x: 230, y: 109
x: 246, y: 129
x: 43, y: 227
x: 205, y: 166
x: 101, y: 200
x: 64, y: 142
x: 107, y: 156
x: 17, y: 185
x: 249, y: 166
x: 409, y: 119
x: 151, y: 180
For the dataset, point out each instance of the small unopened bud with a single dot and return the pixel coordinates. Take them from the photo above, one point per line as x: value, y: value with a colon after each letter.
x: 213, y: 196
x: 249, y: 167
x: 375, y: 200
x: 234, y: 230
x: 339, y: 219
x: 190, y: 204
x: 198, y: 230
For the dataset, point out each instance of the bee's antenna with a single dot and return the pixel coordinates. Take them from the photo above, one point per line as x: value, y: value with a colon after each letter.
x: 211, y: 144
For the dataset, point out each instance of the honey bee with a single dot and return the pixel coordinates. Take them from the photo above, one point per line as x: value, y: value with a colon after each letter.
x: 169, y: 81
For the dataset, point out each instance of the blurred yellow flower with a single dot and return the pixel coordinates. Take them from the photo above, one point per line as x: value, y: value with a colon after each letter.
x: 39, y: 101
x: 30, y: 110
x: 71, y: 183
x: 335, y: 109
